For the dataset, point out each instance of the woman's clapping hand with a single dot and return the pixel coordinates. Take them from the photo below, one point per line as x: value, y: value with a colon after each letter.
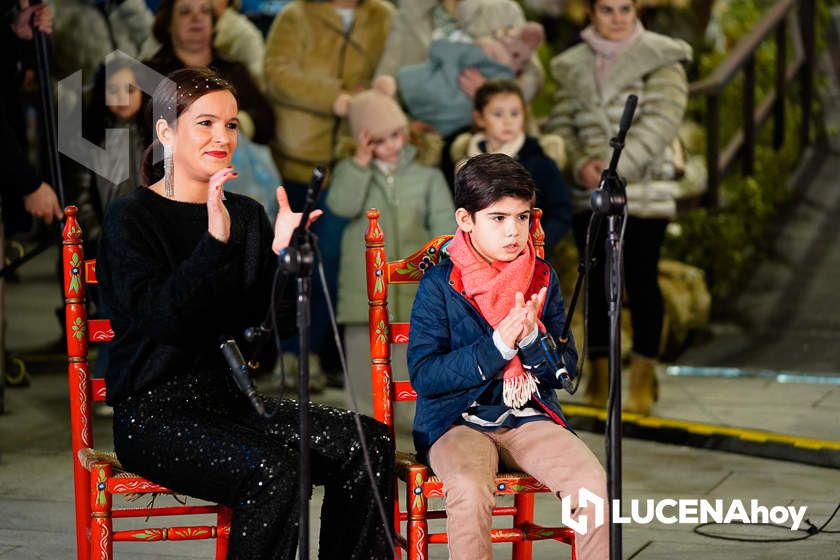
x: 287, y: 221
x: 218, y: 219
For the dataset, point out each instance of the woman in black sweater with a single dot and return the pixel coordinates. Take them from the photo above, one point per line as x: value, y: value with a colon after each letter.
x: 180, y: 266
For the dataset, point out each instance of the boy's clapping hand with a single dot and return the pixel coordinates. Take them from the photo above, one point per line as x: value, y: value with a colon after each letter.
x: 510, y: 328
x: 530, y: 310
x: 521, y: 319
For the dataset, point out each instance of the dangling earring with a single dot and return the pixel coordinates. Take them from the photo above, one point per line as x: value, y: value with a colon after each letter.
x: 168, y: 177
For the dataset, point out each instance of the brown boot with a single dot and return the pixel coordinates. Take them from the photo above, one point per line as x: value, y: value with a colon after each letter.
x: 598, y: 387
x: 644, y: 388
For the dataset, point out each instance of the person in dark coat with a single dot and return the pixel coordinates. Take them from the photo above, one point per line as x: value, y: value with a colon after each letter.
x: 184, y: 28
x: 485, y: 389
x: 23, y: 188
x: 500, y: 114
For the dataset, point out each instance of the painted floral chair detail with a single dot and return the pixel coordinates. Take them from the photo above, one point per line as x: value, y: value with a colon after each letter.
x: 98, y: 475
x: 419, y: 481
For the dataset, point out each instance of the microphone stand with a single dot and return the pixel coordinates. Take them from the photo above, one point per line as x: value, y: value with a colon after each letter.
x: 50, y: 131
x: 610, y: 200
x: 584, y: 265
x: 42, y: 52
x: 297, y: 260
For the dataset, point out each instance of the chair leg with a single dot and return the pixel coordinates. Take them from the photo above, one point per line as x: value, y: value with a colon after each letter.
x: 101, y: 528
x: 223, y: 532
x: 81, y: 481
x: 397, y: 524
x: 417, y: 505
x: 524, y: 504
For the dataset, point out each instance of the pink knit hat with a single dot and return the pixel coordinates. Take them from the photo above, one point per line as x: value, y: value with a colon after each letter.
x: 375, y: 112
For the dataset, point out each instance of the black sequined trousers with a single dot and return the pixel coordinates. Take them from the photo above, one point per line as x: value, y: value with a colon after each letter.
x: 196, y: 435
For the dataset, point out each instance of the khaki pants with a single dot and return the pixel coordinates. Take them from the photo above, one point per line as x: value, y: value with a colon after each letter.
x: 467, y: 460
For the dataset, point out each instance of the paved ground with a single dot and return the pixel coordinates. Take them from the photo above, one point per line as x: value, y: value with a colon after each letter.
x: 36, y: 493
x: 788, y: 306
x: 788, y: 313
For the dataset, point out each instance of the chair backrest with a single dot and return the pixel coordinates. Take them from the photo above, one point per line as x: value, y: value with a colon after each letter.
x: 77, y: 273
x: 409, y: 270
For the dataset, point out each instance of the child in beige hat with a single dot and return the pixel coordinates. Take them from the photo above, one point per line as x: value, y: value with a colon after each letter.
x: 415, y: 205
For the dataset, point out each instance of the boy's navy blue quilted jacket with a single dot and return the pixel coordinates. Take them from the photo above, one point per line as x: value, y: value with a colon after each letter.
x: 452, y: 358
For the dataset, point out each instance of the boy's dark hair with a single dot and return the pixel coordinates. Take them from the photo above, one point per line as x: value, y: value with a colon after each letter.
x: 495, y: 87
x: 487, y: 178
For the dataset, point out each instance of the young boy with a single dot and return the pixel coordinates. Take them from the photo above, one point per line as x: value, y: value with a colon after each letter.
x: 485, y: 394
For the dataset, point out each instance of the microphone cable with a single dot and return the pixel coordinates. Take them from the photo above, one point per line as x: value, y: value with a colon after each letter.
x: 252, y: 394
x: 811, y: 531
x: 611, y: 400
x: 595, y: 223
x: 380, y: 504
x: 272, y: 311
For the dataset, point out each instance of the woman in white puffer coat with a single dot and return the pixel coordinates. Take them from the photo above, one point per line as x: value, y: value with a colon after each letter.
x: 616, y: 58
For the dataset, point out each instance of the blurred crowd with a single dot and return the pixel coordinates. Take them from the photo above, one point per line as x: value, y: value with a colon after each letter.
x: 391, y: 96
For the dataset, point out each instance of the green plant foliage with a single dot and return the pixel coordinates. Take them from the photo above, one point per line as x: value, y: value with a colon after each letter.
x: 727, y: 240
x: 544, y: 100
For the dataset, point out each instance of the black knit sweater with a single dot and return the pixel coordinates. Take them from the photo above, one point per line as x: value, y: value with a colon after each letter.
x: 173, y: 289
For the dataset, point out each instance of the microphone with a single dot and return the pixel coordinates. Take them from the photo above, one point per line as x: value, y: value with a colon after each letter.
x: 255, y: 334
x: 240, y: 372
x: 316, y: 182
x: 617, y: 143
x: 555, y: 361
x: 297, y: 259
x: 609, y: 198
x: 627, y: 116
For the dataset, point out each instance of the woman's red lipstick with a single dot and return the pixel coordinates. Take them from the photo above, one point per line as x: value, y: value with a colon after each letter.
x: 217, y: 154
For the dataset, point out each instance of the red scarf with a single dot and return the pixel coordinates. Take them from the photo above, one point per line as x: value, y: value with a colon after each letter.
x: 492, y: 288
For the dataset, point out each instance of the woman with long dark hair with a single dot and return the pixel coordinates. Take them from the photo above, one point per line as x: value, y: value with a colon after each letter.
x: 182, y: 265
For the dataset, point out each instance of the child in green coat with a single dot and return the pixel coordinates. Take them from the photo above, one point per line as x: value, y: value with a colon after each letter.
x: 415, y: 205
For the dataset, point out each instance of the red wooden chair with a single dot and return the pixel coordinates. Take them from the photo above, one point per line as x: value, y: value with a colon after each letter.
x: 420, y: 483
x: 98, y: 476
